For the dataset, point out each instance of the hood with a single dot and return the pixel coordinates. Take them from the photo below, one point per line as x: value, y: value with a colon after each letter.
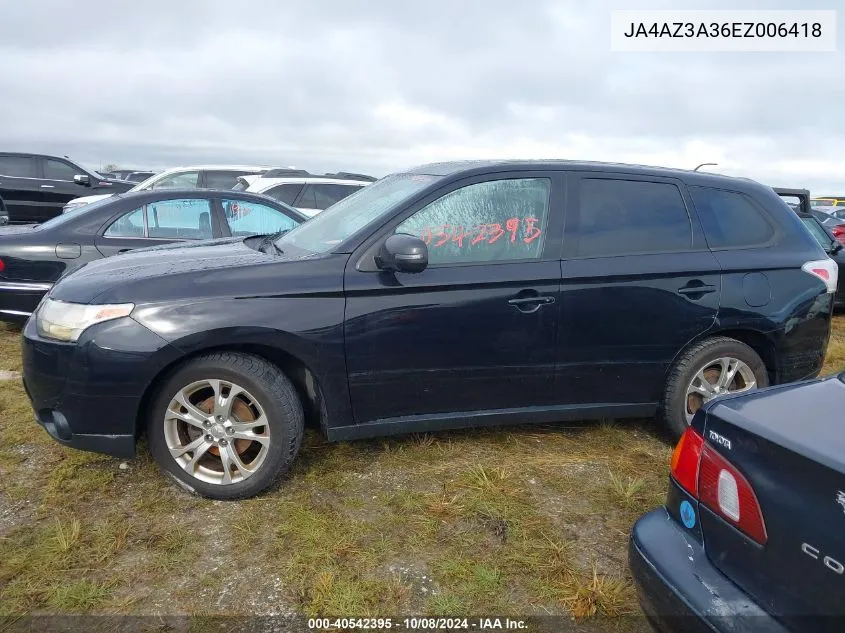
x: 141, y: 275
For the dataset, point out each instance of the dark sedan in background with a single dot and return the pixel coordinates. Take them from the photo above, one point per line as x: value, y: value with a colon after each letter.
x: 34, y: 256
x: 750, y: 538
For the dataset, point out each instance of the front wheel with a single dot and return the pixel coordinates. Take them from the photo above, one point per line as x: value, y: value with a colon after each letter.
x: 713, y: 367
x: 226, y: 425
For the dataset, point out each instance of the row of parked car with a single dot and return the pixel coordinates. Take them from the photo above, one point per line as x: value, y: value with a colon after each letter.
x: 475, y: 294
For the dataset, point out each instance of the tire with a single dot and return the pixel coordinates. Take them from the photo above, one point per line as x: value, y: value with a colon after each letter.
x: 703, y: 356
x: 265, y: 394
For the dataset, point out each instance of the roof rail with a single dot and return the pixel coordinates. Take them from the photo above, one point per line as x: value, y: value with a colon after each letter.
x: 281, y: 173
x: 351, y: 176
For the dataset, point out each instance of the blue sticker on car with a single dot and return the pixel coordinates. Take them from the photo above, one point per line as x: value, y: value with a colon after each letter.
x: 687, y: 515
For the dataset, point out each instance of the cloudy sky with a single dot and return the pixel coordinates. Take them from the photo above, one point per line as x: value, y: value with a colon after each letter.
x: 379, y: 85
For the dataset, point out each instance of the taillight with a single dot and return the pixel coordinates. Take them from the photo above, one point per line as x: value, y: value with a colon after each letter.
x: 2, y: 265
x: 724, y: 490
x: 685, y: 460
x: 717, y: 484
x: 825, y: 269
x: 839, y: 232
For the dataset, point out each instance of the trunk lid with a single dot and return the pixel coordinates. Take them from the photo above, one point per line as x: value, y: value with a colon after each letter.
x: 789, y: 443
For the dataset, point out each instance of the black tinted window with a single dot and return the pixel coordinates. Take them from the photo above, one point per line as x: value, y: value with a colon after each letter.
x: 730, y: 219
x: 284, y: 193
x: 59, y: 170
x: 322, y: 196
x: 17, y: 166
x: 222, y: 179
x: 627, y: 217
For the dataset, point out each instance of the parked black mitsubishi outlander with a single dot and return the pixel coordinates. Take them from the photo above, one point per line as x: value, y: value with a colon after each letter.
x: 451, y: 295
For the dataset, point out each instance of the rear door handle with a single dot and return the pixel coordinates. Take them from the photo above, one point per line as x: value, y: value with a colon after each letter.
x: 47, y: 186
x: 696, y: 290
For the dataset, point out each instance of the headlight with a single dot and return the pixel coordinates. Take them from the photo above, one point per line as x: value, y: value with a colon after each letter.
x: 66, y: 321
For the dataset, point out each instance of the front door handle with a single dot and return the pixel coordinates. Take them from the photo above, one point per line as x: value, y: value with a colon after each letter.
x: 529, y: 303
x: 48, y: 186
x: 697, y: 290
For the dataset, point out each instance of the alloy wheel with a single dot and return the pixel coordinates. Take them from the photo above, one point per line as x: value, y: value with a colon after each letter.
x: 217, y: 431
x: 716, y: 378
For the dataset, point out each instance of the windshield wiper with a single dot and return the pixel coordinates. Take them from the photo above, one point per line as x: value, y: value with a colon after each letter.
x: 271, y: 239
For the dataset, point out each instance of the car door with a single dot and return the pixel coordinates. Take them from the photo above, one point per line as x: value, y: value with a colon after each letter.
x: 474, y: 333
x: 158, y: 222
x: 638, y: 284
x: 58, y: 186
x: 20, y: 187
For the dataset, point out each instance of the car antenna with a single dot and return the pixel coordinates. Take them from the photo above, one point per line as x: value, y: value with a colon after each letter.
x: 704, y: 165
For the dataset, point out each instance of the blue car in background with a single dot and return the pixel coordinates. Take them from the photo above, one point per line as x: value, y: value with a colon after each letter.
x: 752, y: 536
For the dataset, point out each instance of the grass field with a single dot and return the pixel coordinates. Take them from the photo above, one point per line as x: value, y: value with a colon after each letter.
x: 523, y: 520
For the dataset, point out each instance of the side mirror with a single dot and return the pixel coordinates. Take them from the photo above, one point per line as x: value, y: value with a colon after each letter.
x: 835, y: 247
x: 82, y: 179
x: 403, y: 253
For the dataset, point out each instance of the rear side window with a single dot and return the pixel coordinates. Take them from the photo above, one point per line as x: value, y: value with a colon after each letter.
x: 730, y: 219
x: 222, y: 179
x: 17, y: 166
x: 628, y: 217
x: 322, y: 196
x: 285, y: 194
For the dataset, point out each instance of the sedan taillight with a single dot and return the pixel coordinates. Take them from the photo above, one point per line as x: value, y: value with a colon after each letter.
x: 839, y: 232
x: 718, y: 485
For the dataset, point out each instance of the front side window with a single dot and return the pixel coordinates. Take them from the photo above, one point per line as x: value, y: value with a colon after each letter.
x: 182, y: 180
x: 184, y: 219
x: 128, y: 225
x: 627, y: 217
x: 286, y: 194
x: 17, y: 167
x: 59, y: 170
x: 251, y: 218
x: 322, y: 196
x: 730, y: 219
x: 485, y: 222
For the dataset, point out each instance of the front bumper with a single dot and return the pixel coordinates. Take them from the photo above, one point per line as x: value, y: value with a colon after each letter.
x: 680, y: 591
x: 19, y: 299
x: 89, y: 394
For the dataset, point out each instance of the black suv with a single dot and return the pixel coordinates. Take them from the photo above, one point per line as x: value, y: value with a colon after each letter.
x: 35, y: 187
x: 451, y: 295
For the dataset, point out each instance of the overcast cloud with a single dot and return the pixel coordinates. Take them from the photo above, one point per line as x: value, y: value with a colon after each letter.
x: 382, y: 85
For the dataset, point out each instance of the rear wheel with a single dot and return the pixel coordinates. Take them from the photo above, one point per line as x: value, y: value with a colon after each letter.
x: 711, y: 368
x: 226, y: 425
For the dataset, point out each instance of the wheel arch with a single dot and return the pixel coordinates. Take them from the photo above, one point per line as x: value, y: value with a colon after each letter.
x: 304, y: 380
x: 762, y: 344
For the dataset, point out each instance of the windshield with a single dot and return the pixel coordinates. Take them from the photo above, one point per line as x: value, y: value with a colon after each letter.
x: 75, y: 212
x: 821, y: 203
x: 348, y: 216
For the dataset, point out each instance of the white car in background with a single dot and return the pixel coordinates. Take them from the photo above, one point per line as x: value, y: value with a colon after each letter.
x: 193, y: 177
x: 308, y: 193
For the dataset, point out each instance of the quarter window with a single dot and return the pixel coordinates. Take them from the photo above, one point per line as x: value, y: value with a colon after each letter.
x: 128, y: 225
x: 222, y: 179
x: 627, y: 217
x: 730, y: 219
x: 17, y: 167
x: 488, y: 221
x: 59, y: 170
x: 250, y: 218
